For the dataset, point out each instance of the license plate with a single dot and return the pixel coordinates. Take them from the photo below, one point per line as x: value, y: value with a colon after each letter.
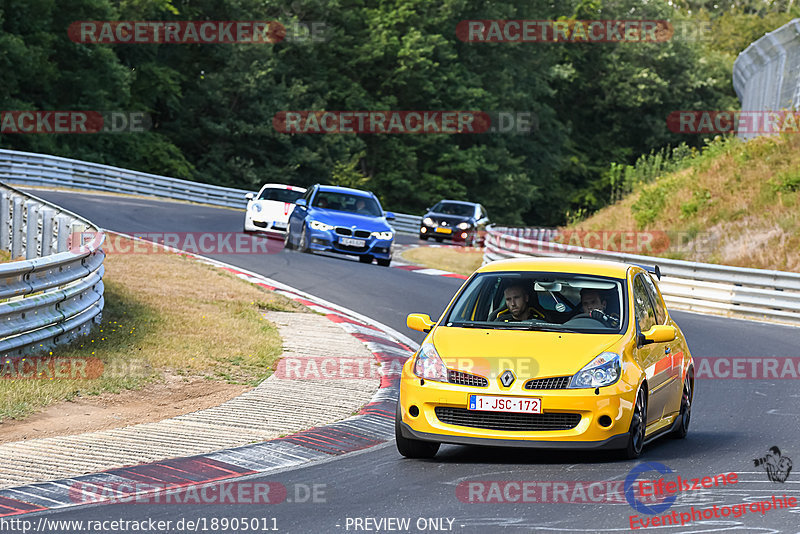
x: 505, y: 404
x: 350, y: 242
x: 444, y: 230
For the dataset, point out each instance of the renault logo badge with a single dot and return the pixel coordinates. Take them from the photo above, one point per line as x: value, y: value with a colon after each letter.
x: 507, y: 378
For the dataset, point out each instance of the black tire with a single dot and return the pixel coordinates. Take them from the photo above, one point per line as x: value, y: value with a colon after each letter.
x: 365, y: 259
x: 439, y: 239
x: 287, y: 242
x: 685, y: 414
x: 384, y: 263
x: 638, y: 426
x: 424, y: 236
x: 303, y: 245
x: 412, y: 448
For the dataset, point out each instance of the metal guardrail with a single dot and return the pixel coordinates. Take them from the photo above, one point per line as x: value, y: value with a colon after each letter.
x: 406, y: 224
x: 54, y: 294
x: 765, y: 74
x: 28, y: 168
x: 703, y: 287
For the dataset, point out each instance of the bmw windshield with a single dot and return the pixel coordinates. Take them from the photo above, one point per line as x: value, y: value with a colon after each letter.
x: 558, y: 302
x: 345, y: 202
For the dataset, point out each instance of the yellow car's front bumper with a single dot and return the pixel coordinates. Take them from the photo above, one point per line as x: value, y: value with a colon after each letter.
x: 603, y: 422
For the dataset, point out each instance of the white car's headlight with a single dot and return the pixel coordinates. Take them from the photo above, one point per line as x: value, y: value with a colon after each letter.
x: 383, y: 235
x: 429, y: 365
x: 463, y: 225
x: 257, y: 208
x: 427, y: 221
x: 316, y: 225
x: 604, y: 370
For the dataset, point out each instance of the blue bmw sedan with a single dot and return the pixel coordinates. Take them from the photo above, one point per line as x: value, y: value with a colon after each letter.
x: 343, y: 220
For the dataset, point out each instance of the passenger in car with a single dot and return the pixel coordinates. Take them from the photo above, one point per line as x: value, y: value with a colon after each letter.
x: 594, y: 304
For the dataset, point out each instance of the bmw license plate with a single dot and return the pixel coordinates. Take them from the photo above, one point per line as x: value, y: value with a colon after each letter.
x: 350, y: 242
x: 505, y: 404
x: 444, y: 230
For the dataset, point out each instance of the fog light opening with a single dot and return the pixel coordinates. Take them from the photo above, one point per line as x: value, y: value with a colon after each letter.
x: 604, y: 421
x: 413, y: 411
x: 423, y: 230
x: 463, y: 235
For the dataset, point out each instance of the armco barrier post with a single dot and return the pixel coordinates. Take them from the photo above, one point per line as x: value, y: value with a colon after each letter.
x: 32, y: 235
x: 5, y: 222
x: 63, y: 233
x: 47, y: 231
x: 16, y: 229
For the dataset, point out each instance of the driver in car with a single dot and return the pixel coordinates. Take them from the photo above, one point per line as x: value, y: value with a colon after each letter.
x: 594, y: 305
x: 517, y: 303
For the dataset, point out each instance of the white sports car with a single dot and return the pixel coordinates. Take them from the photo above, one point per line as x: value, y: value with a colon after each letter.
x: 270, y: 210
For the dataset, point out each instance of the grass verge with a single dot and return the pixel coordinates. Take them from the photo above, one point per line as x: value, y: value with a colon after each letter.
x: 164, y: 314
x: 461, y: 260
x: 737, y: 204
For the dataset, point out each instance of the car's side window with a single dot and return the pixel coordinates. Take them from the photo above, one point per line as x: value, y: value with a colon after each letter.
x: 645, y: 315
x: 661, y: 312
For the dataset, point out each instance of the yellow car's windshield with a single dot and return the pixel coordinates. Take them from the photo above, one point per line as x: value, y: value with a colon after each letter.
x: 541, y: 301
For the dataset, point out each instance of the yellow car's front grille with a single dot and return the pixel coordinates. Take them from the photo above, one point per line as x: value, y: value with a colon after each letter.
x: 554, y: 382
x: 465, y: 379
x: 519, y: 422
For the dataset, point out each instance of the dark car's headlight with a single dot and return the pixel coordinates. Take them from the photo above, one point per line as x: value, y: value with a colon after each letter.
x: 429, y: 365
x: 604, y: 370
x: 427, y: 221
x: 463, y: 226
x: 316, y: 225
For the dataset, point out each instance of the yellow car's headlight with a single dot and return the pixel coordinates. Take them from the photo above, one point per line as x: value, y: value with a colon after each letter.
x: 604, y: 370
x: 316, y: 225
x: 429, y: 365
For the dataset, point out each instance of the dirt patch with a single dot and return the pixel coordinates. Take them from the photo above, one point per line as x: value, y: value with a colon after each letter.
x: 175, y: 396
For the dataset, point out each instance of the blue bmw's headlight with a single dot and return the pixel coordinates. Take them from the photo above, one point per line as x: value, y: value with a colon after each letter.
x: 383, y: 235
x: 316, y: 225
x: 602, y: 371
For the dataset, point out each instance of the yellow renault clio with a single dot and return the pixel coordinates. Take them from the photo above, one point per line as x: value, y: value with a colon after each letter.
x: 548, y: 352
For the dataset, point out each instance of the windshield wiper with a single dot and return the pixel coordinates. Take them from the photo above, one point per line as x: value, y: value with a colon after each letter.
x: 490, y: 326
x: 550, y: 329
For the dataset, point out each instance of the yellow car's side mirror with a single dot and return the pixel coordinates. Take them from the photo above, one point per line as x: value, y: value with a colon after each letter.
x: 419, y: 321
x: 660, y: 333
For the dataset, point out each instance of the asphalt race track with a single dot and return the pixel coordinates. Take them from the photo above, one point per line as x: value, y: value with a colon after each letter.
x: 733, y: 420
